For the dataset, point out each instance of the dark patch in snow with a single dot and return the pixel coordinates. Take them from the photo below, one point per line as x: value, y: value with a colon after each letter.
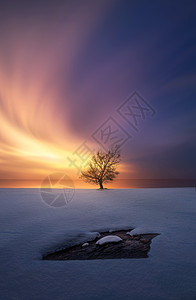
x: 131, y: 246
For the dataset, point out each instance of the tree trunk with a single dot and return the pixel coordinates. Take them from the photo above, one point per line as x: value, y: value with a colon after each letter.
x: 101, y: 185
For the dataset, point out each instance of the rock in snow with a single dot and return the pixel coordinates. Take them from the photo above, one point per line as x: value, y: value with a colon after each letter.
x: 108, y: 239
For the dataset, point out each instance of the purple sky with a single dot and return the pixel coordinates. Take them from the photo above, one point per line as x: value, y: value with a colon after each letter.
x: 66, y: 66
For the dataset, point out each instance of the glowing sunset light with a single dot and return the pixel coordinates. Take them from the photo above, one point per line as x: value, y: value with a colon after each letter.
x: 35, y: 137
x: 66, y: 68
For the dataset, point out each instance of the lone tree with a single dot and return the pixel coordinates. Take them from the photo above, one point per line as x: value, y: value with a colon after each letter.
x: 102, y: 167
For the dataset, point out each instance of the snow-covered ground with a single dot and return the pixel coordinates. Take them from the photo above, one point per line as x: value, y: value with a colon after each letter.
x: 30, y: 228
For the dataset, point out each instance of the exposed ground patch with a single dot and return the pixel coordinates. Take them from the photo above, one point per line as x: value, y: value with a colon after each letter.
x: 131, y: 246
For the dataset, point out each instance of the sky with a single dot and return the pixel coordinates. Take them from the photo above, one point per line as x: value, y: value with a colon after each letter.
x: 73, y: 75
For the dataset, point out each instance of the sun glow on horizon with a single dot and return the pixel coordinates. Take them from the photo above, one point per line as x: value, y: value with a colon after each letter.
x: 35, y: 135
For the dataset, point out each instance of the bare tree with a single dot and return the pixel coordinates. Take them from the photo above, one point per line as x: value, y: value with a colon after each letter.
x: 102, y: 167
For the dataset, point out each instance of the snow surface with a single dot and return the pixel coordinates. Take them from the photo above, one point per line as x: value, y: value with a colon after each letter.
x: 29, y: 228
x: 85, y: 244
x: 108, y: 239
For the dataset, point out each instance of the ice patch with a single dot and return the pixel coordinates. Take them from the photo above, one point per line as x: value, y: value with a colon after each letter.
x: 141, y: 230
x: 108, y: 239
x: 85, y: 244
